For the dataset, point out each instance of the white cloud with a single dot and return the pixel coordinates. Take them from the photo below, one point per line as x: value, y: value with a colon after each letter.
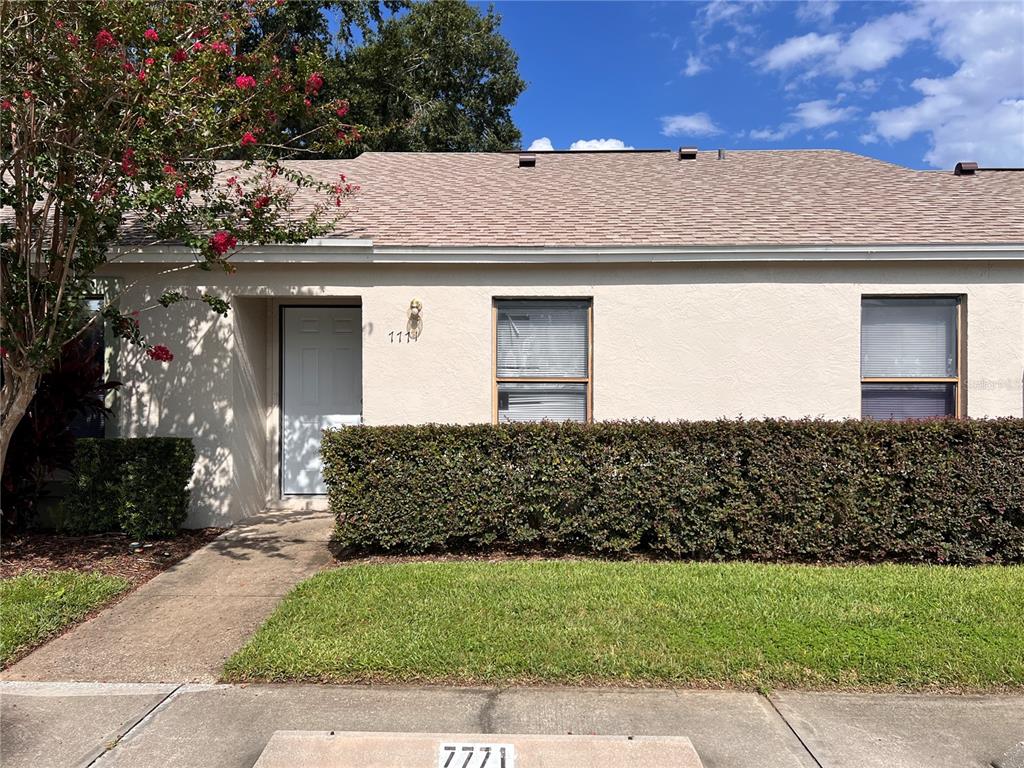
x: 878, y: 42
x: 831, y: 135
x: 694, y: 66
x: 976, y: 113
x: 799, y: 49
x: 808, y: 115
x: 543, y: 144
x: 697, y: 124
x: 817, y: 11
x: 815, y: 114
x: 767, y: 134
x: 869, y: 138
x: 599, y: 144
x: 870, y: 47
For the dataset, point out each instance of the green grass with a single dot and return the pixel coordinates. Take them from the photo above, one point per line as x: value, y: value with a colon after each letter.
x: 633, y: 623
x: 34, y: 606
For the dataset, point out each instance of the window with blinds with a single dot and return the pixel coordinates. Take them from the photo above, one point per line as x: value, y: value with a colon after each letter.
x: 542, y: 360
x: 909, y: 357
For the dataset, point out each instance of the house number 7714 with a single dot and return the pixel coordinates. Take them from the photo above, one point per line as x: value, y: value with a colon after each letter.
x: 397, y: 336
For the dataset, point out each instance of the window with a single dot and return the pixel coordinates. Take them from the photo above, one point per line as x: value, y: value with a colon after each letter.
x: 542, y: 360
x: 910, y: 357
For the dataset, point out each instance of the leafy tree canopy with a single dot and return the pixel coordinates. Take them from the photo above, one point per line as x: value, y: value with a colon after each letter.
x: 436, y: 76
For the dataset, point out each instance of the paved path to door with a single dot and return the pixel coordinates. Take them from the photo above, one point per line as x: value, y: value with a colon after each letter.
x: 182, y: 625
x: 74, y: 725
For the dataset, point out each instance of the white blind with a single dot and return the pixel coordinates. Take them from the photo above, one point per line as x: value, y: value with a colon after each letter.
x: 542, y: 339
x: 908, y: 337
x: 895, y: 402
x: 522, y: 401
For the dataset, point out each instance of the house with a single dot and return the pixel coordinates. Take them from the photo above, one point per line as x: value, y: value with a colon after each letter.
x: 617, y: 285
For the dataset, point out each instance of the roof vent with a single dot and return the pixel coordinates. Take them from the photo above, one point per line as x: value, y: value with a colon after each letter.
x: 965, y: 169
x: 687, y: 153
x: 527, y: 161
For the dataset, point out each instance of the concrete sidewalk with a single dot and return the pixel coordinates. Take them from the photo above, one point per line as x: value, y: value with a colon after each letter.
x: 64, y: 725
x: 182, y: 625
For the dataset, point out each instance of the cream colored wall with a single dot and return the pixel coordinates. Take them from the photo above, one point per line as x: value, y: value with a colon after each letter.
x: 671, y: 341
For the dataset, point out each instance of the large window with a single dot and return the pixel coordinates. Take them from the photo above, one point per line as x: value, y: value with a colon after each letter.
x: 910, y: 357
x: 542, y: 360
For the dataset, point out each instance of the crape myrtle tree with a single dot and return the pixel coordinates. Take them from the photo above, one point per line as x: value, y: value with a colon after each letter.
x: 112, y: 114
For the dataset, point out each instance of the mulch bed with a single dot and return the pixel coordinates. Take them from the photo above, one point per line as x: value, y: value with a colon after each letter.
x: 105, y: 553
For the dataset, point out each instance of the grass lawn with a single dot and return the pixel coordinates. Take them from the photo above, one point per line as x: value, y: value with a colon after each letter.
x: 34, y: 606
x: 641, y: 623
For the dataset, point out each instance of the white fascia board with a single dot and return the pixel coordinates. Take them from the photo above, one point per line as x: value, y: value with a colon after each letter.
x: 341, y: 251
x: 668, y: 254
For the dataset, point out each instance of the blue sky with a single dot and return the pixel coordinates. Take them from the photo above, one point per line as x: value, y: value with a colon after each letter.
x: 920, y: 84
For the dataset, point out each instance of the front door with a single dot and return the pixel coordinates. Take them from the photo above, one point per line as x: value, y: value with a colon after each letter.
x: 321, y: 386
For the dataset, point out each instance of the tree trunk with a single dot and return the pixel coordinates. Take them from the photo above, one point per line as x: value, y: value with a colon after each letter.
x: 17, y: 393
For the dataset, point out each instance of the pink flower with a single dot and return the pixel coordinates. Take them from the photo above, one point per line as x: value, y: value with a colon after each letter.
x: 6, y: 104
x: 73, y: 39
x: 169, y: 169
x: 222, y: 242
x: 314, y: 83
x: 179, y: 56
x: 151, y: 35
x: 104, y: 40
x: 307, y: 102
x: 342, y: 109
x: 128, y: 67
x: 149, y: 62
x: 244, y: 82
x: 247, y: 139
x: 261, y: 202
x: 141, y: 76
x: 179, y: 190
x: 160, y: 353
x: 128, y: 162
x: 197, y: 46
x: 221, y: 47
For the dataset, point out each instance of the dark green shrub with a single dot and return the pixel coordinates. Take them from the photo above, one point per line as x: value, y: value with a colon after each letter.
x: 813, y: 491
x: 138, y: 485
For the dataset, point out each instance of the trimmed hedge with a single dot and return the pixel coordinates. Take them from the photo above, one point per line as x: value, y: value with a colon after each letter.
x: 138, y: 485
x: 773, y: 490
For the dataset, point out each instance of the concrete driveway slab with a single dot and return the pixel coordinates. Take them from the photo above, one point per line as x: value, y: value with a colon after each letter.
x: 183, y: 625
x: 904, y: 731
x: 56, y: 725
x: 227, y: 726
x: 729, y: 729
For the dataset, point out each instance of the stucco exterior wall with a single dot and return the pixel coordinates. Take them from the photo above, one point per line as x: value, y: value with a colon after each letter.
x: 671, y: 341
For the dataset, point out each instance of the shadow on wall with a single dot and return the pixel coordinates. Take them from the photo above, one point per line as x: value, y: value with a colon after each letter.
x: 191, y: 396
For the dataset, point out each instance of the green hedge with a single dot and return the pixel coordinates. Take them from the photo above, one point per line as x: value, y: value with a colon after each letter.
x: 137, y: 485
x: 774, y: 490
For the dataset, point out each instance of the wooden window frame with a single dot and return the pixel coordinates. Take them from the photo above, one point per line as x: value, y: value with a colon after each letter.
x: 959, y: 396
x: 588, y: 380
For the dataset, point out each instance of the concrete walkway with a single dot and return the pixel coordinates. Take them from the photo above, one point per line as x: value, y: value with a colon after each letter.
x: 182, y: 625
x: 65, y: 725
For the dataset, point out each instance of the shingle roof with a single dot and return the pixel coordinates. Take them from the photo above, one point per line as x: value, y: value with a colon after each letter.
x: 786, y: 197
